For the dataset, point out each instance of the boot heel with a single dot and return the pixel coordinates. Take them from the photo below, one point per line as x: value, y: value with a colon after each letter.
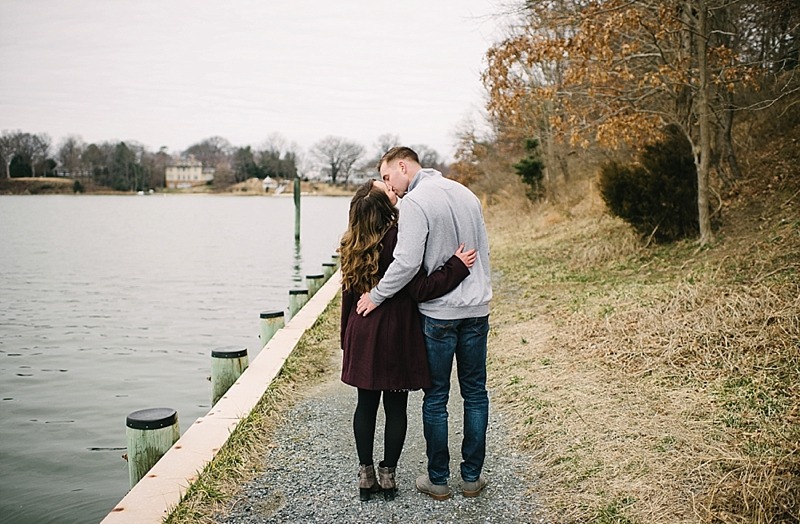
x: 367, y: 484
x: 387, y: 482
x: 365, y: 494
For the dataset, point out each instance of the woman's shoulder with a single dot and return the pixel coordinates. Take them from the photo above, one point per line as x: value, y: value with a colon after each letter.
x: 391, y: 234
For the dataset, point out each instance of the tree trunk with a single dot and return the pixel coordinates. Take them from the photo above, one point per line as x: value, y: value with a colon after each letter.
x: 334, y: 173
x: 562, y: 162
x: 684, y: 99
x: 726, y: 164
x: 726, y: 142
x: 549, y: 166
x: 704, y: 121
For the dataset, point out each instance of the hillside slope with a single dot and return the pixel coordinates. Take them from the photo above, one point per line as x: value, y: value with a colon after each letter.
x: 658, y: 384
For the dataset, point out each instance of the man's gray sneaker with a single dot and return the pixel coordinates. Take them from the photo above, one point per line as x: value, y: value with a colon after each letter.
x: 473, y: 489
x: 435, y: 491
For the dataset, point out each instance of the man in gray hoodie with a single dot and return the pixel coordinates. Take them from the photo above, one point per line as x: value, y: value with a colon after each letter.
x: 438, y: 214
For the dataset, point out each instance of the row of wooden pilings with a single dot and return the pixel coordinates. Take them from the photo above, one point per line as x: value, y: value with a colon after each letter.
x: 151, y: 432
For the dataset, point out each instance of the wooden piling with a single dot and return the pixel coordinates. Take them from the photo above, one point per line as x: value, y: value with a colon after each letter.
x: 335, y: 259
x: 271, y: 322
x: 314, y: 282
x: 150, y: 433
x: 297, y: 299
x: 227, y: 364
x: 328, y: 269
x: 297, y: 208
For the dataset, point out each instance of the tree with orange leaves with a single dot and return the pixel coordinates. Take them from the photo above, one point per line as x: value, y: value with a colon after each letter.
x: 620, y: 71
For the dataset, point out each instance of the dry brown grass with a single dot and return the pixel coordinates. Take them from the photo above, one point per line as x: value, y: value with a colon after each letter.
x: 652, y: 385
x: 254, y: 186
x: 36, y: 186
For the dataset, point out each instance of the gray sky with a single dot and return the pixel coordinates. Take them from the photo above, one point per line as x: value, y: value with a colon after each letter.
x: 173, y: 72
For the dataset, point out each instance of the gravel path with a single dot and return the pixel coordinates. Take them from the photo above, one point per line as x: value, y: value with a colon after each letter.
x: 310, y: 473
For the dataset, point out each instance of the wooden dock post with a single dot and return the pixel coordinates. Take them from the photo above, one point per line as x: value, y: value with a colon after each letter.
x: 227, y: 364
x: 297, y: 207
x: 328, y: 269
x: 297, y: 299
x: 314, y: 282
x: 335, y: 259
x: 150, y: 433
x: 271, y: 322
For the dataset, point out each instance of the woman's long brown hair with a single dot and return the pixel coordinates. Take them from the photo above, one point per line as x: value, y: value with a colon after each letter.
x: 371, y: 216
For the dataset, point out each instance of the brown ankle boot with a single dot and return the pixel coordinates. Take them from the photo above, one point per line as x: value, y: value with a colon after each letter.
x: 387, y: 482
x: 367, y: 485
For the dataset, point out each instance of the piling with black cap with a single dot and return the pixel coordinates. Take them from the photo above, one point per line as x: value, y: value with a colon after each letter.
x: 314, y: 283
x: 328, y: 269
x: 271, y: 322
x: 336, y: 259
x: 227, y: 365
x: 150, y: 433
x: 297, y: 299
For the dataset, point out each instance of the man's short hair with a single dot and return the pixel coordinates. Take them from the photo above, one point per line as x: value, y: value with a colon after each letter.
x: 398, y: 152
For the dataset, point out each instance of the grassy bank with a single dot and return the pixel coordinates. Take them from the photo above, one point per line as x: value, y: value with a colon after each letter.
x: 37, y: 186
x: 653, y: 385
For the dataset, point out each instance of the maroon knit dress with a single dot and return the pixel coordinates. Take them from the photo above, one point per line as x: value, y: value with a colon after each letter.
x: 385, y: 350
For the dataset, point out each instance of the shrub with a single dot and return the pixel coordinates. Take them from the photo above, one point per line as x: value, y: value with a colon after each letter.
x: 531, y: 170
x: 657, y: 196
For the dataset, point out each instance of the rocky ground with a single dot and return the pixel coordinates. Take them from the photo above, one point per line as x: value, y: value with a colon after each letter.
x: 310, y: 471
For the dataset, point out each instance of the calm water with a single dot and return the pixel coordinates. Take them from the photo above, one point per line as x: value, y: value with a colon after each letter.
x: 110, y: 304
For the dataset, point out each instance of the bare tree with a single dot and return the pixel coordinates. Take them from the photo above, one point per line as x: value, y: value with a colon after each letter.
x: 428, y: 157
x: 385, y: 142
x: 212, y: 152
x: 9, y: 144
x: 337, y: 156
x: 69, y: 154
x: 470, y: 151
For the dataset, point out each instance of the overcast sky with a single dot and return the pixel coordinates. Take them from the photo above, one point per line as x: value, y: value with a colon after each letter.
x: 173, y: 72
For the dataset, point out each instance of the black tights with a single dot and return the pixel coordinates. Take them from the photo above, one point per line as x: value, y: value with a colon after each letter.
x: 394, y: 406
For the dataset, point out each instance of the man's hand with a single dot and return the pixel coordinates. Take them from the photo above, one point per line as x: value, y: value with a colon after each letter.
x: 365, y: 305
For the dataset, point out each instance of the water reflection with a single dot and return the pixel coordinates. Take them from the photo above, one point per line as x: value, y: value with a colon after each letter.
x: 297, y: 275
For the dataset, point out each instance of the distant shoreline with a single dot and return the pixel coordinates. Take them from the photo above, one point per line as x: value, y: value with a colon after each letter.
x: 71, y: 186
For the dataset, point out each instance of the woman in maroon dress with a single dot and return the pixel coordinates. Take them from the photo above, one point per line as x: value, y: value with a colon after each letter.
x: 384, y: 353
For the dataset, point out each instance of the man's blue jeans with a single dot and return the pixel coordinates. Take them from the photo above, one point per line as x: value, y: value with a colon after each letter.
x: 464, y: 339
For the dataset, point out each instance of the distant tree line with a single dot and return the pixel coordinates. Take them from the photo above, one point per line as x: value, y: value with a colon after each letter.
x: 130, y: 166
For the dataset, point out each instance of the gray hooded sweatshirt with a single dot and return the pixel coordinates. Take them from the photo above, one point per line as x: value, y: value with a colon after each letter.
x: 438, y: 214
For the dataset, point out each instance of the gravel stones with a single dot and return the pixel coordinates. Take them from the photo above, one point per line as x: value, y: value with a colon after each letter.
x: 310, y: 473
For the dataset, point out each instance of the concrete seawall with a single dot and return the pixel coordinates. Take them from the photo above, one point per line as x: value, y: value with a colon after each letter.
x: 160, y: 490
